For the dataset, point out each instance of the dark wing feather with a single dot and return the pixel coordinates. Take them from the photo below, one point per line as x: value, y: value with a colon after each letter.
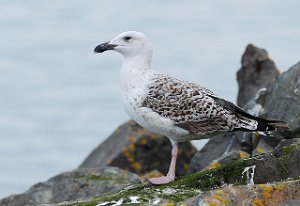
x: 262, y: 124
x: 210, y: 126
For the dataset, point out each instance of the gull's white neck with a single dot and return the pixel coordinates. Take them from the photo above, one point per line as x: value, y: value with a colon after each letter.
x: 134, y: 75
x: 135, y: 71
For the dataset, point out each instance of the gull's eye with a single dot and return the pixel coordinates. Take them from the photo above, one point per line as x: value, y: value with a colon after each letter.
x: 127, y: 38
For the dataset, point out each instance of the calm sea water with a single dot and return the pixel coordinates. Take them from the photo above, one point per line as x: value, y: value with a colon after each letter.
x: 58, y: 100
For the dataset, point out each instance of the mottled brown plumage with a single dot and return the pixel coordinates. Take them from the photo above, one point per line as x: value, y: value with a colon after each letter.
x: 195, y: 108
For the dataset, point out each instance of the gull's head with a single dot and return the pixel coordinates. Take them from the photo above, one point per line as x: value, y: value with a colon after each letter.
x: 129, y: 44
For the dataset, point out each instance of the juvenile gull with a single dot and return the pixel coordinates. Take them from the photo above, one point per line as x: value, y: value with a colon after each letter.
x: 180, y: 110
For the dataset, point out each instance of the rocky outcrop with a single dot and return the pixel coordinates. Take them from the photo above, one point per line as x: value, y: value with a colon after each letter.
x: 137, y: 150
x: 250, y: 195
x: 76, y: 185
x: 266, y: 179
x: 282, y: 99
x: 257, y: 71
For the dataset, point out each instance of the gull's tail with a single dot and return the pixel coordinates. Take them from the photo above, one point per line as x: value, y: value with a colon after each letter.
x: 263, y: 125
x: 271, y: 125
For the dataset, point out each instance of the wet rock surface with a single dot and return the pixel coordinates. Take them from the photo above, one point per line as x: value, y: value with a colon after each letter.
x: 75, y: 185
x: 137, y: 150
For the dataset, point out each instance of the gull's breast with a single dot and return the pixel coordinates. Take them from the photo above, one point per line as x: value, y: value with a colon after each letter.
x: 149, y: 119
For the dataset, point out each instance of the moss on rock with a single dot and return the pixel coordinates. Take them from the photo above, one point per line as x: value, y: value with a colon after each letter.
x: 197, y: 184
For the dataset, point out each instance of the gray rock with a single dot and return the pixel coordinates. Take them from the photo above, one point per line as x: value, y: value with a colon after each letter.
x: 282, y: 163
x: 275, y: 194
x: 291, y: 146
x: 135, y: 149
x: 111, y: 147
x: 215, y: 148
x: 287, y: 142
x: 275, y: 181
x: 263, y: 146
x: 232, y: 156
x: 76, y: 185
x: 256, y: 72
x: 282, y: 100
x: 291, y: 203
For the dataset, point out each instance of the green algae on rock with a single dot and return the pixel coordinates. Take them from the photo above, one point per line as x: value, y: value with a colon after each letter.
x: 196, y: 186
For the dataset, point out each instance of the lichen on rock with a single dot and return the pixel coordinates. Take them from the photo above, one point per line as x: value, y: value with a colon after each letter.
x: 224, y: 185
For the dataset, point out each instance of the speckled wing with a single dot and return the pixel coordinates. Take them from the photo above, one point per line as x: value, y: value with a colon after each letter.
x: 191, y: 107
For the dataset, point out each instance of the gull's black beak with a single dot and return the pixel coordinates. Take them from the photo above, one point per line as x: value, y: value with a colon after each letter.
x: 104, y: 47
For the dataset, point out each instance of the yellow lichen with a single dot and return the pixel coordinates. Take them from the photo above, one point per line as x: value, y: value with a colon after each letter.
x: 220, y: 199
x: 243, y: 155
x: 183, y: 204
x: 132, y: 139
x: 260, y: 150
x: 127, y: 154
x: 279, y: 187
x: 257, y: 202
x: 219, y: 192
x: 267, y: 192
x: 170, y: 204
x: 136, y: 165
x: 214, y: 165
x: 144, y: 142
x: 211, y: 203
x: 131, y: 147
x: 267, y: 196
x: 266, y: 188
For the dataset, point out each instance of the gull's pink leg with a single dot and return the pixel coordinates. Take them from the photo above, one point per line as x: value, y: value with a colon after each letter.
x: 171, y: 174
